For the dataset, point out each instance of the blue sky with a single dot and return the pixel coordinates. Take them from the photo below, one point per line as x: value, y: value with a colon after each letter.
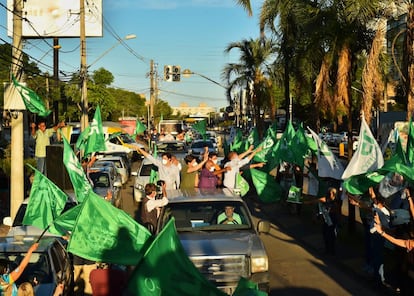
x: 189, y: 33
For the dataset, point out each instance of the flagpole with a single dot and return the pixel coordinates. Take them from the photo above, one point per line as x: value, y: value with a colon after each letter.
x: 44, y: 231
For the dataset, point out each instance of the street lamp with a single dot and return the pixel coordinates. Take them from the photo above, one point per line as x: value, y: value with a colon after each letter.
x: 187, y: 73
x: 84, y: 76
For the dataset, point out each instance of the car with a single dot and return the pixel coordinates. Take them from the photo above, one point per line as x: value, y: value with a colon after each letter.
x: 110, y: 165
x: 142, y: 177
x: 124, y: 156
x: 127, y: 141
x: 223, y: 253
x: 177, y: 148
x: 49, y: 265
x: 103, y: 182
x: 197, y: 147
x: 121, y: 166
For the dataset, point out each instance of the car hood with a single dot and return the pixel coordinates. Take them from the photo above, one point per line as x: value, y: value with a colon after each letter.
x: 220, y: 243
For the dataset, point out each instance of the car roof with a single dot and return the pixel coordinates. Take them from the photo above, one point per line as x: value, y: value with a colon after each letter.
x: 202, y: 195
x: 20, y: 243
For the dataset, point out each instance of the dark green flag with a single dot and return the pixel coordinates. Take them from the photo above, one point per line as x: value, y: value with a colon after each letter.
x: 105, y: 233
x: 201, y: 127
x: 46, y: 202
x: 139, y: 128
x: 266, y: 186
x: 166, y: 269
x: 247, y: 288
x: 299, y: 146
x: 410, y: 143
x: 95, y: 136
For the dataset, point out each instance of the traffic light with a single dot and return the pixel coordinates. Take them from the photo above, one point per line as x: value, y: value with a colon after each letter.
x: 168, y: 75
x: 176, y: 75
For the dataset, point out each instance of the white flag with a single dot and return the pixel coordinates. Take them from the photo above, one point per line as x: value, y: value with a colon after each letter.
x: 328, y: 164
x: 368, y: 156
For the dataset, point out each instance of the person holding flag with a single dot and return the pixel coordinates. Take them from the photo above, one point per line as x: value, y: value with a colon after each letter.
x: 42, y: 137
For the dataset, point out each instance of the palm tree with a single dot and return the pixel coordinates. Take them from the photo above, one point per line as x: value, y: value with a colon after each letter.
x: 252, y: 73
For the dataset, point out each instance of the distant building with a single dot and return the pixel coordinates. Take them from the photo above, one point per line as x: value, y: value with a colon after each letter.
x: 201, y: 110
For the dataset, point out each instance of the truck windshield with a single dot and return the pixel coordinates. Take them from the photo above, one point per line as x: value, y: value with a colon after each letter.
x: 208, y: 216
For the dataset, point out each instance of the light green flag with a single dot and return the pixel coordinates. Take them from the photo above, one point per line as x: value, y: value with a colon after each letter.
x: 242, y: 185
x: 105, y: 233
x: 267, y: 146
x: 266, y: 186
x: 46, y: 202
x: 410, y: 143
x: 83, y: 139
x: 166, y: 270
x: 31, y: 100
x: 66, y: 221
x: 96, y: 139
x: 139, y: 128
x: 76, y: 174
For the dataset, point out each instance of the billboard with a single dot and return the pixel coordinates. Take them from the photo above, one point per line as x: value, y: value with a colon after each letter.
x: 57, y: 18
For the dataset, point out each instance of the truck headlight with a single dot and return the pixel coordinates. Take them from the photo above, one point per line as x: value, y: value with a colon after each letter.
x: 260, y: 264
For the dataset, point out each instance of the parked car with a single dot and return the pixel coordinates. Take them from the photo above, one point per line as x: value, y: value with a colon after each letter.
x: 50, y: 264
x: 142, y: 177
x: 223, y: 253
x: 110, y: 165
x: 197, y: 147
x: 124, y: 156
x: 103, y: 182
x: 121, y: 166
x: 177, y: 148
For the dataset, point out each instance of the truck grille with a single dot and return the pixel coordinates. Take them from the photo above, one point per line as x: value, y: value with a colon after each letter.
x: 222, y: 269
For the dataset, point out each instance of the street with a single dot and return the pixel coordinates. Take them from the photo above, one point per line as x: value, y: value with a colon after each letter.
x: 294, y: 270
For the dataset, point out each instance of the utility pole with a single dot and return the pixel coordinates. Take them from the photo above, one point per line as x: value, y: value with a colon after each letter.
x: 152, y: 90
x: 83, y: 69
x: 17, y: 169
x: 56, y: 78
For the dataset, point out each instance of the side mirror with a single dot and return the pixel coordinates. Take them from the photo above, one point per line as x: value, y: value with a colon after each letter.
x: 263, y: 227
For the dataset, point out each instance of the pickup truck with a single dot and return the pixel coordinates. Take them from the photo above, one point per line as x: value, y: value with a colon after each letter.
x: 223, y: 252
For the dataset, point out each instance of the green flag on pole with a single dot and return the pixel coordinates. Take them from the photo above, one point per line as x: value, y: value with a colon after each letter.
x: 154, y: 170
x: 242, y: 184
x: 46, y: 202
x: 105, y: 233
x: 139, y: 128
x: 66, y: 221
x: 76, y: 174
x: 83, y: 139
x: 166, y: 270
x: 96, y: 139
x: 31, y: 100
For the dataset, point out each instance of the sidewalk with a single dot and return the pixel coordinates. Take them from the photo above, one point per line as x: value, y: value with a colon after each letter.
x: 305, y: 228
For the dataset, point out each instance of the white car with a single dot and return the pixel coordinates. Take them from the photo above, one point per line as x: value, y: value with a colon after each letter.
x: 121, y: 166
x: 142, y: 177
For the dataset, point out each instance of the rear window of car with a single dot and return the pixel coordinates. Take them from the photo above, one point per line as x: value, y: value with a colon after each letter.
x: 202, y: 144
x: 146, y: 169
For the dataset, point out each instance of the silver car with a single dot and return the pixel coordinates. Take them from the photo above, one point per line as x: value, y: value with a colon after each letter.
x: 142, y: 177
x: 222, y: 252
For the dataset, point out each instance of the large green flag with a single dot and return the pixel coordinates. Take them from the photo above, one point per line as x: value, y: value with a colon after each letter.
x: 266, y: 186
x: 76, y: 174
x: 139, y: 128
x: 96, y: 139
x: 237, y: 144
x: 66, y: 221
x: 166, y: 270
x: 360, y: 184
x: 282, y: 150
x: 299, y: 146
x: 252, y: 139
x: 265, y: 154
x: 31, y: 100
x: 105, y: 233
x: 83, y: 139
x: 46, y: 202
x: 201, y: 127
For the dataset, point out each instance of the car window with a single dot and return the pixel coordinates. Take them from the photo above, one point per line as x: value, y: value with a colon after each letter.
x: 202, y: 144
x: 146, y: 170
x: 99, y: 179
x: 204, y: 216
x: 60, y: 261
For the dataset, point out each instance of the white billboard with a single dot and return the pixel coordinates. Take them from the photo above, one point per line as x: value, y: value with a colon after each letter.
x: 57, y: 18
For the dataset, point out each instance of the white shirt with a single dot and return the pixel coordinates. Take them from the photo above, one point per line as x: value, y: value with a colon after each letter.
x: 230, y: 176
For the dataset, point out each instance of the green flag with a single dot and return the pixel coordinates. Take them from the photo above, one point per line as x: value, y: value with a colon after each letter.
x: 248, y: 288
x: 31, y: 100
x: 166, y: 270
x: 83, y: 139
x: 266, y: 186
x: 252, y: 139
x: 410, y: 143
x: 360, y: 184
x: 201, y: 127
x: 154, y: 172
x: 96, y: 139
x: 76, y: 174
x: 242, y: 185
x: 46, y: 202
x: 267, y: 146
x: 237, y: 144
x: 299, y: 146
x: 104, y: 233
x: 66, y: 221
x: 139, y: 128
x: 282, y: 150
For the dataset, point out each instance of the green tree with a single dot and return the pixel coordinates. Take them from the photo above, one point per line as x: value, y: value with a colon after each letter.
x: 253, y: 74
